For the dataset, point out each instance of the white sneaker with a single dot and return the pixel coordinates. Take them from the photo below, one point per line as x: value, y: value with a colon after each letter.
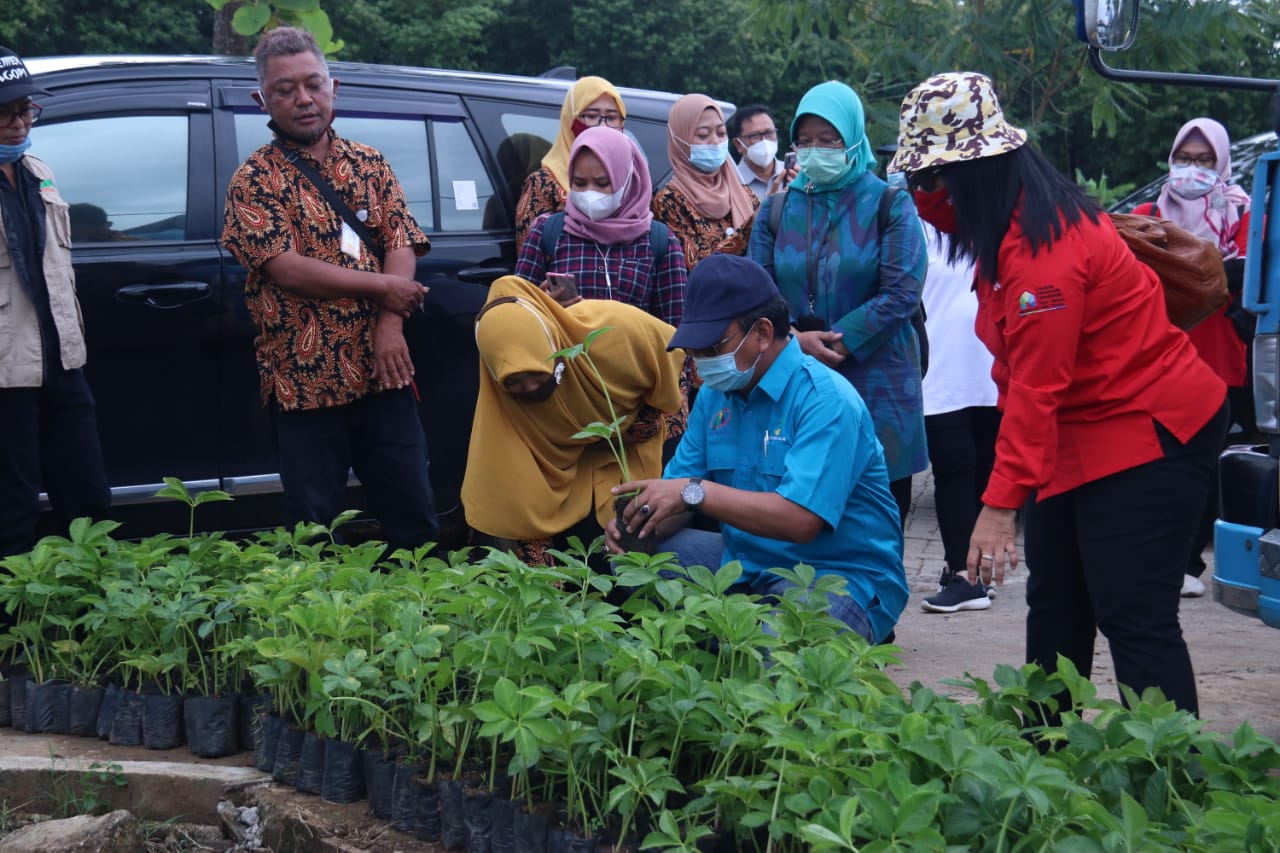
x: 1192, y: 586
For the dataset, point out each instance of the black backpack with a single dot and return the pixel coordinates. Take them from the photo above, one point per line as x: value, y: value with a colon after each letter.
x: 882, y: 225
x: 554, y: 227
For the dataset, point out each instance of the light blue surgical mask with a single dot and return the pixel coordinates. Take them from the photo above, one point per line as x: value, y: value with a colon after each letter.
x: 897, y: 179
x: 721, y: 372
x: 708, y: 158
x: 824, y: 165
x: 12, y: 153
x: 1192, y: 181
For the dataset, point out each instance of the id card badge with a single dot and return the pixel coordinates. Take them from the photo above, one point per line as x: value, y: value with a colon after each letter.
x: 350, y: 242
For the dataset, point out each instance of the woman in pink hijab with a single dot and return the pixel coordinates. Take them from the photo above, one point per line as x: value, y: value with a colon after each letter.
x: 1198, y: 197
x: 605, y: 237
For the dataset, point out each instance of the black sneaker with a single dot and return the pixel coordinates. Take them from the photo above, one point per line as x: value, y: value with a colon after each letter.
x: 959, y: 595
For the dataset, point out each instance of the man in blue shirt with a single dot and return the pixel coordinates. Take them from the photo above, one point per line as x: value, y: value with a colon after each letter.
x: 780, y: 449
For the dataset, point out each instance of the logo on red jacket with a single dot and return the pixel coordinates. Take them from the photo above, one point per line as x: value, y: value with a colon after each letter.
x: 1046, y: 298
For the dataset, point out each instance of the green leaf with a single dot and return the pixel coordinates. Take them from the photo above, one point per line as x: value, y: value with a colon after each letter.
x: 249, y: 20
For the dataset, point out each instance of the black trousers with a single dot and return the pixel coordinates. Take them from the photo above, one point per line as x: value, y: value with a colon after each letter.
x: 49, y: 437
x: 1110, y: 556
x: 962, y: 451
x: 379, y: 437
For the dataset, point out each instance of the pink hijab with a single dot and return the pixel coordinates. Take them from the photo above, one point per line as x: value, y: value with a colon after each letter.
x: 1213, y: 216
x: 717, y: 195
x: 626, y: 168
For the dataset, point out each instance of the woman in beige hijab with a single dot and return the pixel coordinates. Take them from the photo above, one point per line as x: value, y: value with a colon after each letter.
x: 704, y: 203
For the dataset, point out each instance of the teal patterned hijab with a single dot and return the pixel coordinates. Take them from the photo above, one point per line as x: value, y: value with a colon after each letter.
x: 838, y: 104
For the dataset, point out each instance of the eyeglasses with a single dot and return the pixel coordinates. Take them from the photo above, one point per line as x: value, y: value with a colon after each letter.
x: 30, y: 113
x: 714, y: 349
x: 595, y: 119
x: 753, y: 138
x: 925, y: 179
x: 1205, y: 161
x: 819, y: 142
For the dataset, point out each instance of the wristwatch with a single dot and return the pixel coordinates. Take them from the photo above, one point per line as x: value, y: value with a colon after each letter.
x: 693, y: 494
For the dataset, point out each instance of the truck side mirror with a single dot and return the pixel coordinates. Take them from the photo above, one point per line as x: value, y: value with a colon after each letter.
x: 1107, y: 24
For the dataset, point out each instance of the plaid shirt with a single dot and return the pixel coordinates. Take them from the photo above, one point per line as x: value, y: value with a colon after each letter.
x: 624, y: 273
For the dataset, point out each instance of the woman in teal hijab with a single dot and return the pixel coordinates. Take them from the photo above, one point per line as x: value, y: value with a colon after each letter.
x: 852, y: 289
x: 831, y: 112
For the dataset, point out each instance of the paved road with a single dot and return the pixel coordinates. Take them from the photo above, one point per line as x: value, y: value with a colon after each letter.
x: 1237, y: 659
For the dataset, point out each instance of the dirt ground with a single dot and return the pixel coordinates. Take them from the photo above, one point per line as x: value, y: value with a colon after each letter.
x: 1236, y: 658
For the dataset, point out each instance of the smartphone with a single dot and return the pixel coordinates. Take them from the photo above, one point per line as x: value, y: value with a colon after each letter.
x: 789, y: 161
x: 567, y: 281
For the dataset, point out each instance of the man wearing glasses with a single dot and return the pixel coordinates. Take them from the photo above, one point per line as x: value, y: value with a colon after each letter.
x: 48, y: 427
x: 756, y: 139
x: 781, y: 451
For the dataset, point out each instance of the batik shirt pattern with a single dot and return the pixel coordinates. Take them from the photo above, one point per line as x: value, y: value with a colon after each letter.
x: 700, y: 236
x: 313, y: 353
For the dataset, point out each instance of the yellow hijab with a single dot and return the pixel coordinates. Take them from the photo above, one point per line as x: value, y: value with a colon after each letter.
x: 584, y: 92
x: 527, y: 477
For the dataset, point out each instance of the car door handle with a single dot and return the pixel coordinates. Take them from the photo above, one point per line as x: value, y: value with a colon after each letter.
x: 482, y: 274
x: 164, y: 295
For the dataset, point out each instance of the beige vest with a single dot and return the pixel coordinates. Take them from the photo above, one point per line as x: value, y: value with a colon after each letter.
x: 21, y: 364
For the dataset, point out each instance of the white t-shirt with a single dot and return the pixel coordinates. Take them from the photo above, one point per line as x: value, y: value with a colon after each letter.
x: 959, y: 374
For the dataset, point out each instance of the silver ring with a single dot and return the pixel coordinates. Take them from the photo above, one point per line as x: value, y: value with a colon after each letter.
x: 644, y: 510
x: 986, y: 557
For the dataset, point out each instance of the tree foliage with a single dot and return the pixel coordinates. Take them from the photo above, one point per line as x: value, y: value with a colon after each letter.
x: 757, y: 50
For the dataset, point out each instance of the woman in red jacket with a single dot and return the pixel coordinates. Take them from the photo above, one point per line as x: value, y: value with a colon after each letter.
x: 1111, y: 421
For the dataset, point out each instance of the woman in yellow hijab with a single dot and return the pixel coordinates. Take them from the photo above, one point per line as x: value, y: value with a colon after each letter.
x: 527, y: 478
x: 593, y: 101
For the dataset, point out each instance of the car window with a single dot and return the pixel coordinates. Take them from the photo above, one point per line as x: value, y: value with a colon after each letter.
x: 403, y: 141
x: 465, y: 188
x: 125, y: 177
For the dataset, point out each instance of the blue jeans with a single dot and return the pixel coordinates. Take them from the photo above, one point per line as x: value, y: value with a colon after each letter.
x: 704, y: 548
x: 49, y: 437
x: 379, y: 437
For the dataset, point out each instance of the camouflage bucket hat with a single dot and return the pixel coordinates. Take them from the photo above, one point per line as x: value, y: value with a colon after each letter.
x: 950, y: 118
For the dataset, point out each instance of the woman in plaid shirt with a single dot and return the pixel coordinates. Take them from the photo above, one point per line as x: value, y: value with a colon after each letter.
x: 605, y: 239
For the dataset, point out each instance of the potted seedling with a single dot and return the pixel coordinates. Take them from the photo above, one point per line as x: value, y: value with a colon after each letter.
x: 611, y: 433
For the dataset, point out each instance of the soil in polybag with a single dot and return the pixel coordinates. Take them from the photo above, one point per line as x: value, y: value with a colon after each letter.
x: 310, y: 778
x: 83, y: 707
x: 162, y: 721
x: 288, y: 751
x: 212, y: 722
x: 126, y: 722
x: 343, y: 772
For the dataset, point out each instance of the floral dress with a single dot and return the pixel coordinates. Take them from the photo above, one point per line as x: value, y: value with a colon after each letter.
x: 542, y: 194
x: 698, y: 235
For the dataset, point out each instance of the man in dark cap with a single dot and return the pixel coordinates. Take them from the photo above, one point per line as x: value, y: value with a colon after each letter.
x: 780, y: 449
x: 48, y: 425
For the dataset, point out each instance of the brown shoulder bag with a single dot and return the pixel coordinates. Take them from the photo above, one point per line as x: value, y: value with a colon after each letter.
x: 1195, y: 282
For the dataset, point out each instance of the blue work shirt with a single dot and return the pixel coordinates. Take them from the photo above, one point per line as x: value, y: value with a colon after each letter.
x: 804, y: 433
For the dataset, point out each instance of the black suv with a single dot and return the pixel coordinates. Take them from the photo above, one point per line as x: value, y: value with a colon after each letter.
x: 143, y: 149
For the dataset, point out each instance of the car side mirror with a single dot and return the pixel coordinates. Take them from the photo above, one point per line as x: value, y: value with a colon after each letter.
x: 1107, y: 24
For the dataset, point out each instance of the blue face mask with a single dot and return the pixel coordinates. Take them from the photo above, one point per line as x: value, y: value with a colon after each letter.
x: 11, y: 153
x: 721, y: 372
x: 824, y: 166
x: 708, y: 158
x: 897, y: 179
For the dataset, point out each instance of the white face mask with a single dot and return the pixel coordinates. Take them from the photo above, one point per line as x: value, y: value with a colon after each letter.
x: 596, y: 205
x: 763, y: 152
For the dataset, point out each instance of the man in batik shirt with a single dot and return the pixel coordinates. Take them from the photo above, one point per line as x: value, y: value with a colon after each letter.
x: 331, y: 352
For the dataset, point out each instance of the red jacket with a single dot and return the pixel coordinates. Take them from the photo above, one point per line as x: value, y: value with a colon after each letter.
x: 1085, y: 359
x: 1215, y: 336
